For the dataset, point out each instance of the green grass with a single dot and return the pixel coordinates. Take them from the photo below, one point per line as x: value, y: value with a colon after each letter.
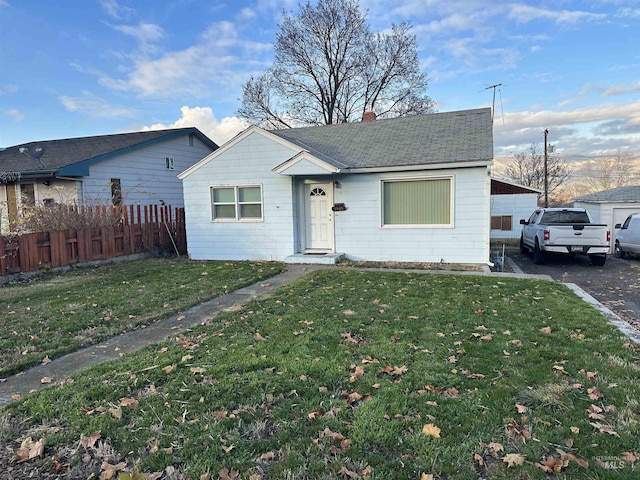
x: 275, y: 389
x: 58, y: 314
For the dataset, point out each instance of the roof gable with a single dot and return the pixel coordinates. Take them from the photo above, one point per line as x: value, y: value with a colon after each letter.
x: 73, y: 156
x: 233, y: 142
x: 306, y: 164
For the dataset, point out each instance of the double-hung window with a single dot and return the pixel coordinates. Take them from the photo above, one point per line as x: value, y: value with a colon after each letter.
x: 417, y: 202
x: 236, y: 203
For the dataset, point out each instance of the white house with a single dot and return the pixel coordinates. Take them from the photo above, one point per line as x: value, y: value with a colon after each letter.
x: 410, y: 189
x: 611, y: 206
x: 509, y: 203
x: 135, y: 168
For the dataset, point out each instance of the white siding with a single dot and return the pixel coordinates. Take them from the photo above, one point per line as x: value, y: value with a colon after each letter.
x: 143, y: 175
x: 248, y: 162
x: 358, y: 231
x: 520, y: 205
x: 609, y: 213
x: 360, y: 236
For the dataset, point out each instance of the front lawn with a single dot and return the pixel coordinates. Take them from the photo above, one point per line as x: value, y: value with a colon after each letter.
x: 348, y: 374
x: 61, y: 313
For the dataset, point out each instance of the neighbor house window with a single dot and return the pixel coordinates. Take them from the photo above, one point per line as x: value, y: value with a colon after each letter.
x: 168, y: 163
x: 116, y: 191
x: 502, y: 222
x: 236, y: 203
x: 417, y: 202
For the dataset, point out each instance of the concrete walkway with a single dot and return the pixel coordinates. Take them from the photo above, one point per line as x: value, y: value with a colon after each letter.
x: 62, y: 368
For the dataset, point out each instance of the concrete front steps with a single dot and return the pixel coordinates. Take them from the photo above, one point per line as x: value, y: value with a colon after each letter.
x: 317, y: 258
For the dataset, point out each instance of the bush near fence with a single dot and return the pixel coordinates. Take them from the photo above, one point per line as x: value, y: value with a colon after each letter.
x: 139, y: 229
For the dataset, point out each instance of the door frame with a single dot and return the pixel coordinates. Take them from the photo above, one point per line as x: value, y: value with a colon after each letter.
x: 307, y: 185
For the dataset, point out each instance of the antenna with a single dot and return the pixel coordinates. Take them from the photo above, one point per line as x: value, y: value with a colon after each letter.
x: 493, y: 105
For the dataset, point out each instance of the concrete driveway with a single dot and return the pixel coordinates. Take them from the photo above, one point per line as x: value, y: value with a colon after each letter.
x: 616, y: 285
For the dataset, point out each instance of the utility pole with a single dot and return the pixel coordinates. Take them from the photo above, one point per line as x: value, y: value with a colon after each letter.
x: 546, y: 172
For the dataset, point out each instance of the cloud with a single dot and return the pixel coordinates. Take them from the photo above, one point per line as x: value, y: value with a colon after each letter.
x: 16, y: 114
x: 526, y: 13
x: 143, y: 32
x: 115, y: 10
x: 95, y: 107
x: 589, y: 131
x: 220, y: 62
x: 205, y: 120
x: 622, y: 89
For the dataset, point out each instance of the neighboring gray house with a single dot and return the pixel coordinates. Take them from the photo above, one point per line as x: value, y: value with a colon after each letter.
x: 611, y: 206
x: 509, y: 203
x: 132, y: 168
x: 410, y: 189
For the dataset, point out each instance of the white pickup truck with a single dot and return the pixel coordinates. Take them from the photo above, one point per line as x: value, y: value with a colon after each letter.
x: 564, y: 230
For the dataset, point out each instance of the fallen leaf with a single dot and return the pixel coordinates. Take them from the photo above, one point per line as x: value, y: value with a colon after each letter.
x: 546, y: 330
x: 356, y: 374
x: 265, y: 457
x: 132, y: 403
x: 225, y: 474
x: 186, y: 358
x: 574, y: 430
x: 90, y: 441
x: 116, y: 413
x: 426, y: 476
x: 478, y: 459
x: 46, y: 360
x: 257, y: 336
x: 169, y: 368
x: 568, y: 442
x: 521, y: 408
x: 29, y: 449
x: 512, y: 459
x: 197, y: 370
x: 110, y: 470
x: 431, y: 430
x: 46, y: 380
x: 604, y: 429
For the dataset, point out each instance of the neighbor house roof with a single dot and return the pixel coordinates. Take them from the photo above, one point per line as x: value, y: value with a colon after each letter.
x: 629, y: 194
x: 72, y: 156
x: 451, y: 137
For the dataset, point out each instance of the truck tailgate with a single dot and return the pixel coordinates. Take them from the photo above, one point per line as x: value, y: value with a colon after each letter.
x: 578, y: 234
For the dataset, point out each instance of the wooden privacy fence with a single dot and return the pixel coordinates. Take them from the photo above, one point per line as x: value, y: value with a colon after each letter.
x: 138, y: 229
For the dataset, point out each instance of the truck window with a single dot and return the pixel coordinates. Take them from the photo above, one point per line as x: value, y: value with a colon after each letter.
x: 564, y: 216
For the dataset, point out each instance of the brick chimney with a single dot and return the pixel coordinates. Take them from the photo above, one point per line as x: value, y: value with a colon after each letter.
x: 368, y: 116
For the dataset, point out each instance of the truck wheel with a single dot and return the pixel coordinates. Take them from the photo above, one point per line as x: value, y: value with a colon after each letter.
x: 538, y: 255
x: 619, y: 252
x: 523, y: 247
x: 598, y: 260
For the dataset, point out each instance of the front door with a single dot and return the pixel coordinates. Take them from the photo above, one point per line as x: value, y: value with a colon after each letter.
x: 319, y: 216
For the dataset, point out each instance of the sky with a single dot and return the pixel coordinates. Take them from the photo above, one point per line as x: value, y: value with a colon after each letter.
x: 73, y: 68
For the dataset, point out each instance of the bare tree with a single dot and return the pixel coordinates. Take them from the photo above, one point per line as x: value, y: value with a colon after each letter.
x: 329, y: 68
x: 611, y: 171
x: 528, y: 169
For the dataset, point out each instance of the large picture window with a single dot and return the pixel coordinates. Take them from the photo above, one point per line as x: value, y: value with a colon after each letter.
x: 236, y: 203
x: 417, y: 202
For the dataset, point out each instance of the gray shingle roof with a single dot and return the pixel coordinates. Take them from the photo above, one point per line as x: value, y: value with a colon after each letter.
x: 629, y: 194
x: 58, y: 154
x: 461, y: 136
